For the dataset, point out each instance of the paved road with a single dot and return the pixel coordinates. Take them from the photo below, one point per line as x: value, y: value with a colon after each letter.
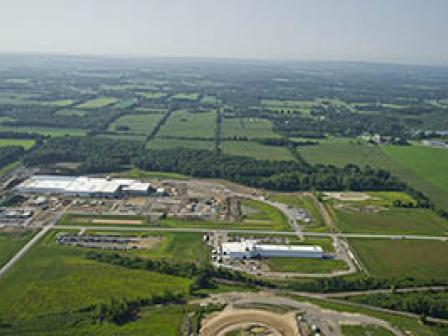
x: 24, y: 250
x: 262, y: 232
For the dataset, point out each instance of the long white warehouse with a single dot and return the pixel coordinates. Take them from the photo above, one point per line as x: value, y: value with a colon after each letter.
x: 83, y: 186
x: 248, y: 249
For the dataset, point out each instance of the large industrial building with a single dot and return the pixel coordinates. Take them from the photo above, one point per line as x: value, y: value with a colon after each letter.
x: 248, y: 249
x: 83, y: 186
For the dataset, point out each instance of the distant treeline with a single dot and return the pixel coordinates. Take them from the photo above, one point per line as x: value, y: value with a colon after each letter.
x: 106, y: 155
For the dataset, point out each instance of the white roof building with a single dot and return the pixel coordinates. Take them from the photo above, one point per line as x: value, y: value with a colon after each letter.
x: 82, y: 186
x: 247, y: 249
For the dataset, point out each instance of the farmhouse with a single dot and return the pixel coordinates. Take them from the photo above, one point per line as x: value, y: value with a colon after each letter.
x: 248, y: 249
x: 83, y: 186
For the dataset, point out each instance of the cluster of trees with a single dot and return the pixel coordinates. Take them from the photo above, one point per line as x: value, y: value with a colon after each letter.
x: 187, y: 270
x: 16, y: 135
x: 9, y: 154
x: 95, y: 154
x: 423, y: 303
x: 275, y: 175
x: 124, y: 311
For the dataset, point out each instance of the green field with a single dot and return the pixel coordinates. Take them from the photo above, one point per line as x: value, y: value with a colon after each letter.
x: 393, y: 221
x: 62, y: 102
x: 139, y: 124
x: 247, y: 127
x: 256, y: 150
x: 364, y: 330
x: 44, y: 130
x: 97, y: 103
x: 303, y: 265
x: 11, y: 242
x: 429, y: 163
x: 25, y: 143
x: 49, y: 290
x: 190, y: 125
x: 154, y: 95
x: 186, y: 96
x: 159, y: 143
x: 423, y: 171
x: 210, y: 100
x: 424, y: 260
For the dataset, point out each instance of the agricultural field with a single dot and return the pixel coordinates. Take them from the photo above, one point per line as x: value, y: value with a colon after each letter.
x: 247, y: 127
x: 257, y: 150
x: 97, y: 103
x: 303, y: 265
x: 159, y: 143
x: 423, y: 260
x: 185, y: 96
x: 62, y: 102
x: 54, y: 132
x: 392, y: 221
x: 190, y: 125
x: 25, y: 143
x: 11, y: 242
x: 138, y: 124
x: 55, y: 285
x: 154, y: 95
x: 429, y: 163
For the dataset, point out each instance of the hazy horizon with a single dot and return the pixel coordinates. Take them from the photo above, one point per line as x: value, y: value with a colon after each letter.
x: 402, y: 31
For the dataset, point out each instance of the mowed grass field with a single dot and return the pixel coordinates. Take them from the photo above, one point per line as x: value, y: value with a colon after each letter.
x: 429, y: 163
x: 25, y: 143
x: 48, y: 291
x: 190, y: 125
x: 11, y: 242
x: 97, y: 103
x: 365, y: 330
x: 139, y: 124
x: 424, y: 260
x: 393, y: 221
x: 159, y: 143
x: 247, y: 127
x: 303, y: 265
x: 257, y: 150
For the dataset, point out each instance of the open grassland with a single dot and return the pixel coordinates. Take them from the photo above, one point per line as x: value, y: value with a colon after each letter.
x: 429, y: 163
x: 159, y: 143
x: 185, y: 96
x: 139, y: 124
x: 25, y: 143
x: 341, y: 152
x: 52, y: 286
x: 190, y: 125
x: 124, y: 136
x: 210, y: 100
x: 144, y: 174
x: 408, y: 325
x: 247, y: 127
x: 304, y: 201
x: 11, y: 242
x: 97, y: 103
x: 424, y: 260
x: 44, y: 130
x: 377, y: 199
x: 393, y: 221
x: 256, y: 150
x: 62, y: 102
x: 364, y: 330
x: 305, y: 265
x: 154, y: 95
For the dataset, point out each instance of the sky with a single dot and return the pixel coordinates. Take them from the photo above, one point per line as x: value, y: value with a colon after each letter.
x: 402, y: 31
